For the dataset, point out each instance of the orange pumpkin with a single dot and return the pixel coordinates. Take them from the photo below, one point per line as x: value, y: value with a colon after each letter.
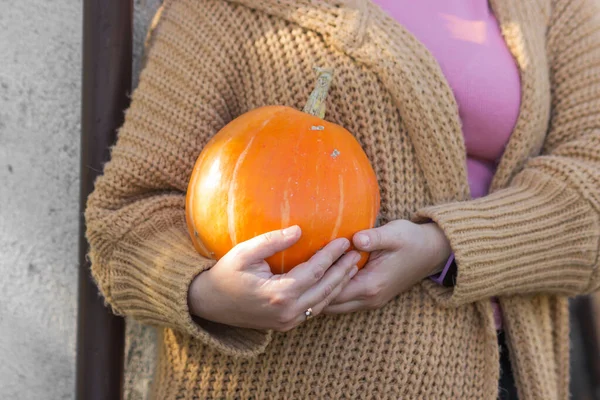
x: 275, y: 167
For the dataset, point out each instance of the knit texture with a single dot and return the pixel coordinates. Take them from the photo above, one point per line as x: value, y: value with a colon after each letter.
x: 532, y: 242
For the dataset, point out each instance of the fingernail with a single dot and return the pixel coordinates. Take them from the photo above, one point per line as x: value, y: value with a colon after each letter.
x: 346, y: 244
x: 355, y: 258
x: 363, y: 240
x: 353, y: 271
x: 290, y: 232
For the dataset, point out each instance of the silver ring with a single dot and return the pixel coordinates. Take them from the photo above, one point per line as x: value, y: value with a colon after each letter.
x: 308, y: 314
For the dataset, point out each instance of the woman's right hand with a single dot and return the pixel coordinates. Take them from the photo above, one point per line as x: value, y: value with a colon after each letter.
x: 240, y: 290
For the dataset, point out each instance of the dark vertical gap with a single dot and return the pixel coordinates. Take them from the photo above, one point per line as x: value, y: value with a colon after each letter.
x: 585, y: 350
x: 106, y: 84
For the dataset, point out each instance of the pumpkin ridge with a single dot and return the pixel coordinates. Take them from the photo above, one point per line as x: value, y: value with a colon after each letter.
x: 231, y: 193
x: 338, y: 221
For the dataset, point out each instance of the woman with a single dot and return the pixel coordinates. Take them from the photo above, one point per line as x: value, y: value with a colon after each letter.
x: 482, y: 124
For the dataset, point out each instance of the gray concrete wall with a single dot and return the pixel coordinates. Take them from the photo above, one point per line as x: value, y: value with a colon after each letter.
x: 40, y: 75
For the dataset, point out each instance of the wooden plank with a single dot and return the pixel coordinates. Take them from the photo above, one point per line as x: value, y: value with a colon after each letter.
x: 106, y: 83
x: 586, y: 316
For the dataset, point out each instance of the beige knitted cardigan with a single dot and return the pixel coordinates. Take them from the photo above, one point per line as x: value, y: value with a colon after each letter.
x: 532, y: 242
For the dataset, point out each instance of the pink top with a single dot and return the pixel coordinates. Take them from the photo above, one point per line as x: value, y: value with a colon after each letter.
x: 464, y: 37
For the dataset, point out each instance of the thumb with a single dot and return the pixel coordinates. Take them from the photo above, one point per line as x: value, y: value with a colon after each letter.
x: 386, y: 237
x: 267, y: 244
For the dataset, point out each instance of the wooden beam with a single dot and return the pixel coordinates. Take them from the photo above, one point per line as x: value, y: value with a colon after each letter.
x: 106, y: 84
x: 588, y: 317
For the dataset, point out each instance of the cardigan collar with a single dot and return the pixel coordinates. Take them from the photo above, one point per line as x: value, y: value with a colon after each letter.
x: 340, y: 22
x: 416, y: 82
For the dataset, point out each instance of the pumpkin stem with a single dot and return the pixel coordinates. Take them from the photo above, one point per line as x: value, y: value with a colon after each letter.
x: 316, y: 102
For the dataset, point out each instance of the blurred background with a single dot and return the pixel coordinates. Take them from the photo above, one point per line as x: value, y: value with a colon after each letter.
x: 40, y: 113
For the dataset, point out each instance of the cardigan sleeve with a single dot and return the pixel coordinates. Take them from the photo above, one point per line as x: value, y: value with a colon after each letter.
x: 142, y: 257
x: 541, y: 234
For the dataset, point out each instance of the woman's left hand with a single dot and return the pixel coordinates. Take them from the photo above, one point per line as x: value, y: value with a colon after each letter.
x: 402, y: 254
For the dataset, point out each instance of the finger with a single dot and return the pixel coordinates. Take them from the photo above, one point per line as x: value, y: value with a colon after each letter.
x: 386, y: 237
x: 307, y: 274
x: 265, y: 245
x: 355, y: 290
x: 345, y: 308
x: 330, y: 282
x: 319, y: 307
